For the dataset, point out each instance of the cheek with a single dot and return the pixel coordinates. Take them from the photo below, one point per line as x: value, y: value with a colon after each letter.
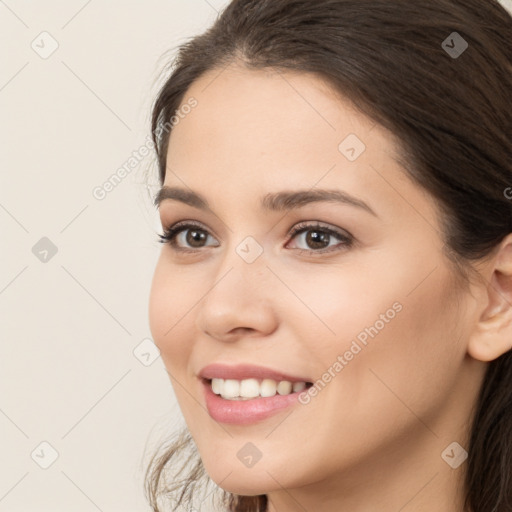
x: 382, y: 298
x: 395, y: 331
x: 427, y: 351
x: 158, y: 310
x: 415, y: 358
x: 408, y: 363
x: 335, y: 305
x: 170, y: 311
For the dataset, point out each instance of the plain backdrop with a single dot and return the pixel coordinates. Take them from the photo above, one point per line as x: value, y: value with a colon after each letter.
x: 75, y: 270
x: 84, y: 397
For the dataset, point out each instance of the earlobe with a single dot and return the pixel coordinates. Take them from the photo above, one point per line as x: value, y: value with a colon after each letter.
x: 492, y: 336
x: 488, y: 346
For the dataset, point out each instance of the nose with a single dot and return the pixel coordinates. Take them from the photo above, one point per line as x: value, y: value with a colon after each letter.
x: 240, y: 301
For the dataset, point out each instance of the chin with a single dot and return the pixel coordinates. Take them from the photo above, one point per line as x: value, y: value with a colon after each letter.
x: 244, y: 488
x: 245, y: 482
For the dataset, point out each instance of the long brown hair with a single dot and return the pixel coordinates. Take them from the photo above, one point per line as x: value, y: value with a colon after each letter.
x: 451, y: 113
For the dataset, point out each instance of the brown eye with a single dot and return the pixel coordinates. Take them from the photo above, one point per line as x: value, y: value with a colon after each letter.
x: 195, y: 237
x: 185, y: 237
x: 189, y: 237
x: 319, y: 237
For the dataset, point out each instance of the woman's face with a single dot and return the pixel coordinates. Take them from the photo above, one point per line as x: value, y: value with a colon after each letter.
x: 374, y: 309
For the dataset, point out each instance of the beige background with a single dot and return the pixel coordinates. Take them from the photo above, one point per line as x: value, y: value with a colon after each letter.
x: 77, y: 369
x: 69, y: 326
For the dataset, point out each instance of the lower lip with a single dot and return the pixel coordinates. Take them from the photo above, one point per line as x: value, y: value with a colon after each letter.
x: 245, y: 412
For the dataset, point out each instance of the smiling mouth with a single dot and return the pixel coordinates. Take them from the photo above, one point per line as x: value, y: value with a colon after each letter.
x: 250, y: 389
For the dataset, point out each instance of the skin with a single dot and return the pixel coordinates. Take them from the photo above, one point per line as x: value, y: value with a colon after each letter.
x: 372, y: 438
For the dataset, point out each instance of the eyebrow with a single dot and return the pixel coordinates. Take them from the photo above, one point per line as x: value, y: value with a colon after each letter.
x: 277, y: 202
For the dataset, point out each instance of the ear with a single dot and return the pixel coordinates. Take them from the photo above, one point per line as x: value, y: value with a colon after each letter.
x: 492, y: 335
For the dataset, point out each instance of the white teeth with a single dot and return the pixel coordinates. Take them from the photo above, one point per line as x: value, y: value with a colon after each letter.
x: 284, y: 387
x: 230, y: 388
x: 246, y: 389
x: 268, y: 387
x: 249, y: 388
x: 298, y: 386
x: 217, y: 385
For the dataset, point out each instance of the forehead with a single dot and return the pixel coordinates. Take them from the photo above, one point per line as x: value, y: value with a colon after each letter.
x: 264, y: 115
x: 256, y: 131
x: 270, y: 110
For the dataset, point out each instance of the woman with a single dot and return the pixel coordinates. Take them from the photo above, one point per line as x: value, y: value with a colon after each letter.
x: 333, y: 302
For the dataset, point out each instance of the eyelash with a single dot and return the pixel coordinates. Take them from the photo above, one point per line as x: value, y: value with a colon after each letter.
x: 169, y: 236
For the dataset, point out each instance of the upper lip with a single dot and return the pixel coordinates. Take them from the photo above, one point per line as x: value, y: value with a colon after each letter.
x: 246, y: 371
